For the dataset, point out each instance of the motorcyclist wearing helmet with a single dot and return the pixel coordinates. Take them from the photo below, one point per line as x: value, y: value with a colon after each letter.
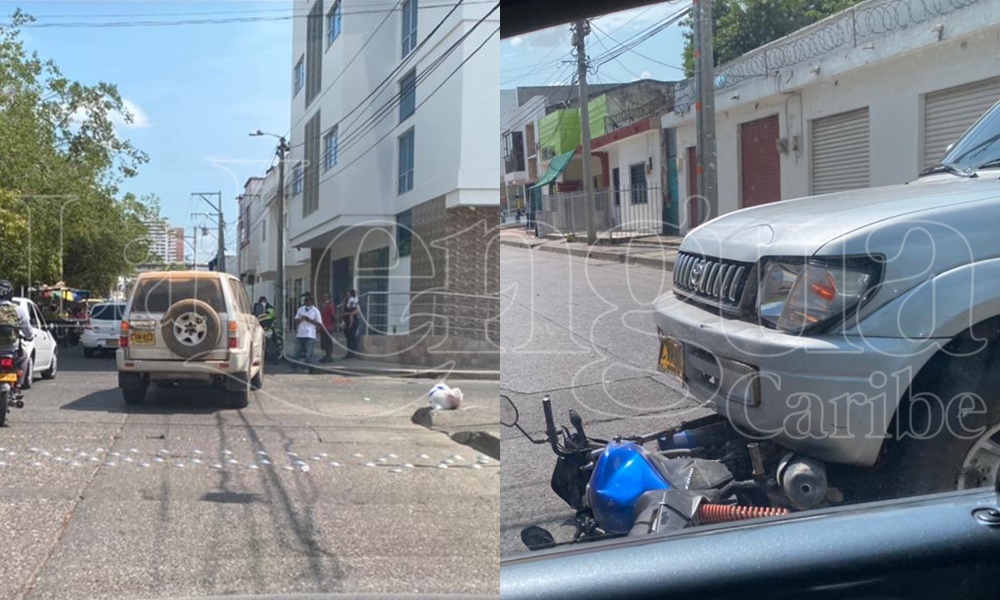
x: 14, y: 320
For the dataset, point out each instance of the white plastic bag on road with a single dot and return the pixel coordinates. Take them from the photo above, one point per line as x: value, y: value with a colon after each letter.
x: 443, y: 397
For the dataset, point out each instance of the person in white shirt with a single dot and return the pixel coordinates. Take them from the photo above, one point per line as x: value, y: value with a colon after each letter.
x: 308, y: 320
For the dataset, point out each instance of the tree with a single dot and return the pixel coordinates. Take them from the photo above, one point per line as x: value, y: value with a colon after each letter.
x: 60, y: 166
x: 740, y: 26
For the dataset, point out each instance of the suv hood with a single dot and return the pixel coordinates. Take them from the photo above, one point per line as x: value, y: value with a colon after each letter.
x: 801, y: 227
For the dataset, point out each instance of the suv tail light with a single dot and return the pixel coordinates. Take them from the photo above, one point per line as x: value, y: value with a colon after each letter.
x: 6, y: 362
x: 234, y: 335
x: 123, y: 340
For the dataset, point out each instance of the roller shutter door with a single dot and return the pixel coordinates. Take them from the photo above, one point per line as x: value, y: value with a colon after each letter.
x: 841, y: 152
x: 949, y: 113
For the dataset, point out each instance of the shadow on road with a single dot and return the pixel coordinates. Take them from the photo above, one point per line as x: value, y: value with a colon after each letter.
x: 159, y: 401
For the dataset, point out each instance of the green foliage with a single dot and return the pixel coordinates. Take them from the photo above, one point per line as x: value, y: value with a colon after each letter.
x: 740, y: 26
x: 60, y: 166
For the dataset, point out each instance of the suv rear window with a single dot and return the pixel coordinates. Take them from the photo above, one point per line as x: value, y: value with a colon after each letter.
x: 107, y: 312
x: 158, y: 295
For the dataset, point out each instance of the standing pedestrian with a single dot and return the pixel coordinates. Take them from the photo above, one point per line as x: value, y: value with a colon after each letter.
x: 329, y: 312
x: 307, y: 321
x: 352, y: 316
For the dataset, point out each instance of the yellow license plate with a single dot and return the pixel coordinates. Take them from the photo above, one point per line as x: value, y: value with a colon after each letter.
x: 142, y: 338
x: 111, y: 343
x: 672, y: 357
x: 8, y: 377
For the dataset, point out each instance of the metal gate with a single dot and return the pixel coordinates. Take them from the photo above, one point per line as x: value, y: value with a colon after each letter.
x: 373, y: 284
x: 841, y: 152
x: 760, y: 167
x: 949, y: 113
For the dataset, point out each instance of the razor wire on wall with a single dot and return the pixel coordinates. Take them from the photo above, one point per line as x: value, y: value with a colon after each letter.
x: 850, y: 28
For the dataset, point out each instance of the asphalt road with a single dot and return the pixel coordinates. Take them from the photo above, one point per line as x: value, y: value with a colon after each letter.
x: 582, y: 332
x: 322, y: 485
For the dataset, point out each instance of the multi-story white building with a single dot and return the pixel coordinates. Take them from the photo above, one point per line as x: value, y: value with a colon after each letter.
x: 257, y: 254
x: 393, y: 174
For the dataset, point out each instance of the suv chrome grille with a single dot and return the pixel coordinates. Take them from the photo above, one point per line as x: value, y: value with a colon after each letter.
x: 713, y: 279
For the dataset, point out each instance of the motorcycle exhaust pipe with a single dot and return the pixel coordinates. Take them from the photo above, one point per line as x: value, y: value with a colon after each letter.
x: 803, y: 480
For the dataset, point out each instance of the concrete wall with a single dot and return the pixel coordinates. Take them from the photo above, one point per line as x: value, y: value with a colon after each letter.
x: 890, y: 79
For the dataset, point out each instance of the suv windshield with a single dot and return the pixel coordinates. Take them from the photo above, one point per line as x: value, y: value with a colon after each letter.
x: 980, y: 146
x: 158, y: 295
x: 107, y: 312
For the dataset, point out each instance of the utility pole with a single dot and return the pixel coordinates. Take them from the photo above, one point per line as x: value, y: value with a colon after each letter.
x: 581, y: 30
x: 704, y: 56
x: 220, y: 261
x: 281, y: 151
x: 280, y: 313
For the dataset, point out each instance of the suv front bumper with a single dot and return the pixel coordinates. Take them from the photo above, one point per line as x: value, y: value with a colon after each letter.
x: 830, y: 397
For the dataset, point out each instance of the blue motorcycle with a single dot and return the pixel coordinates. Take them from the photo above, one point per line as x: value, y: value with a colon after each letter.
x: 703, y: 472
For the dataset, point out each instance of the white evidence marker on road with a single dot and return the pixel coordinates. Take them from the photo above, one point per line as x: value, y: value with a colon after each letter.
x: 334, y: 464
x: 369, y: 464
x: 358, y: 455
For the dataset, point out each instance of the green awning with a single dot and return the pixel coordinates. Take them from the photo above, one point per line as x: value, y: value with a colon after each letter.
x: 556, y: 166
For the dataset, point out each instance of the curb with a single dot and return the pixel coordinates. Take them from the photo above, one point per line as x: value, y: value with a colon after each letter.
x: 484, y: 442
x: 596, y: 254
x: 410, y: 373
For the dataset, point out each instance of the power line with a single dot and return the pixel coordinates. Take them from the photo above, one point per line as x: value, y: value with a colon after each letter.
x: 424, y: 101
x: 353, y: 58
x: 389, y: 107
x: 620, y: 64
x: 155, y: 21
x: 381, y: 113
x: 633, y: 50
x: 389, y: 77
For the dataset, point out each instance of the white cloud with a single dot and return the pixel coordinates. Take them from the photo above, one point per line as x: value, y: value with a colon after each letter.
x: 645, y: 75
x: 140, y: 120
x: 638, y: 18
x: 516, y: 41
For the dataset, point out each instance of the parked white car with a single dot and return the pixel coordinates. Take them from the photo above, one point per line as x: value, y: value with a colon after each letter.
x: 42, y: 349
x: 103, y: 329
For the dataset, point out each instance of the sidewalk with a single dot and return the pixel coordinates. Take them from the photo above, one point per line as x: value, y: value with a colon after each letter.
x: 367, y: 368
x: 657, y: 251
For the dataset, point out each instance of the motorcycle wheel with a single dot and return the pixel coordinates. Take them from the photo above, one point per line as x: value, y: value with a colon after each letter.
x: 4, y: 400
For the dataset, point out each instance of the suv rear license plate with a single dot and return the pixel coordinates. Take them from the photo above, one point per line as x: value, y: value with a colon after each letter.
x: 111, y: 343
x: 8, y: 377
x: 142, y: 338
x: 672, y: 357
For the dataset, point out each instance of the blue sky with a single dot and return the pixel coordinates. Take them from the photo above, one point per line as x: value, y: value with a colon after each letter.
x: 539, y: 58
x: 195, y: 91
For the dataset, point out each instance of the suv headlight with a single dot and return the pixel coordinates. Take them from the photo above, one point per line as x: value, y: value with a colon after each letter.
x: 799, y: 297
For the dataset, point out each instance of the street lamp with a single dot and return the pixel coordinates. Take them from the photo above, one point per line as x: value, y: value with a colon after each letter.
x: 281, y: 151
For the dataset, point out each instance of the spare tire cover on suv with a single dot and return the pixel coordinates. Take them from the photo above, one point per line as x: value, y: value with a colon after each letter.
x: 191, y: 327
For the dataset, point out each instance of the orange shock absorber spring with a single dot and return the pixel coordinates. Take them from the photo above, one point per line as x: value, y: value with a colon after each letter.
x: 725, y: 513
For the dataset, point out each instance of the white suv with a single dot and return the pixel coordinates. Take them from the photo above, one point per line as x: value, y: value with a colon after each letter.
x: 101, y: 334
x: 190, y: 327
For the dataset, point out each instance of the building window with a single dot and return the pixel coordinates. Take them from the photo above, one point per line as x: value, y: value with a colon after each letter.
x: 407, y: 95
x: 637, y: 180
x: 310, y: 201
x: 409, y: 26
x: 297, y: 179
x: 333, y: 23
x: 404, y: 233
x: 406, y: 161
x: 300, y: 75
x: 331, y: 148
x: 513, y: 146
x: 314, y: 52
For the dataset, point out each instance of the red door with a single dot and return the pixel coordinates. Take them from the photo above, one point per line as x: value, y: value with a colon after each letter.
x: 692, y: 159
x: 760, y: 167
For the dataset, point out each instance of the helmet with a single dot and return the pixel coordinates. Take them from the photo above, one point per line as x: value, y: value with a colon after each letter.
x: 6, y: 290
